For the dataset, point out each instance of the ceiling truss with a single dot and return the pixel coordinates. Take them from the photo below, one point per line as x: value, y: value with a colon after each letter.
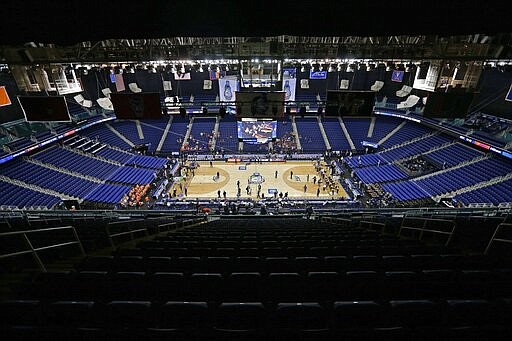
x: 471, y: 47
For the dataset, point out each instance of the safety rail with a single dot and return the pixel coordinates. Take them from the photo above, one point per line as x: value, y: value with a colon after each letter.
x: 372, y: 225
x: 34, y: 250
x: 130, y: 232
x: 145, y: 227
x: 503, y: 227
x: 343, y: 222
x: 423, y: 227
x: 167, y: 226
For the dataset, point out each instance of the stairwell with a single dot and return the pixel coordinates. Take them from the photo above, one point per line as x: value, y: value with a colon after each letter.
x: 391, y: 133
x: 405, y: 143
x: 187, y: 134
x: 121, y: 136
x: 139, y: 130
x: 371, y: 127
x: 324, y: 135
x: 433, y: 149
x: 476, y: 186
x: 92, y: 156
x: 460, y: 165
x: 164, y: 134
x: 213, y: 141
x: 347, y: 134
x: 36, y: 188
x: 62, y: 170
x: 436, y: 148
x: 296, y: 133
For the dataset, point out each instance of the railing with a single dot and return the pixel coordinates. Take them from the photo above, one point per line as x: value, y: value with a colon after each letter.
x: 423, y: 226
x: 131, y: 232
x: 372, y: 225
x: 342, y: 222
x: 145, y: 228
x: 34, y: 250
x: 503, y: 227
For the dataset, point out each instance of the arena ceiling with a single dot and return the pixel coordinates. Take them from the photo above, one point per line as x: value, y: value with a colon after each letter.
x: 70, y: 22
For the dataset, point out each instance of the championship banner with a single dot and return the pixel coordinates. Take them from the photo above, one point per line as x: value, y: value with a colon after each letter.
x: 344, y: 83
x: 304, y: 83
x: 182, y: 76
x: 119, y: 82
x: 4, y: 97
x: 227, y: 88
x: 289, y: 86
x: 167, y: 85
x: 207, y: 84
x: 289, y: 73
x: 509, y: 94
x: 397, y: 76
x: 214, y: 75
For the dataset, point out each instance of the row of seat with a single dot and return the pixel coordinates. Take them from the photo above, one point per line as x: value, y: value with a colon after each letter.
x: 280, y: 263
x: 130, y: 320
x: 279, y: 286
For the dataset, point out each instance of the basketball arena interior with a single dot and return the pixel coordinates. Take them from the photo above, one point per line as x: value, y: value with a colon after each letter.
x: 302, y: 173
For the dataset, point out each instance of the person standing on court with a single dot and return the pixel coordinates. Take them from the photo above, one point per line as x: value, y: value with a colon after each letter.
x: 224, y: 194
x: 276, y: 174
x: 318, y: 192
x: 238, y: 183
x: 291, y: 175
x: 305, y: 188
x: 186, y: 191
x: 218, y: 193
x: 211, y: 164
x: 307, y: 178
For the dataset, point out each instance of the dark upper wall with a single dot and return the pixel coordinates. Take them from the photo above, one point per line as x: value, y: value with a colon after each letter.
x: 80, y: 20
x: 493, y: 87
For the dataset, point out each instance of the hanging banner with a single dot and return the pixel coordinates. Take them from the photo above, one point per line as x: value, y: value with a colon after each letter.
x: 167, y: 85
x: 182, y: 76
x: 214, y: 75
x: 304, y: 83
x: 509, y: 94
x: 227, y: 88
x: 289, y: 73
x: 4, y: 97
x: 317, y: 74
x: 207, y: 84
x: 397, y: 76
x: 289, y: 86
x: 344, y: 83
x: 119, y: 82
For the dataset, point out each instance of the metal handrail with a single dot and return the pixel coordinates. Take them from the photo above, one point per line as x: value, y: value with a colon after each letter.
x: 424, y: 228
x: 129, y: 232
x: 496, y: 232
x: 34, y: 250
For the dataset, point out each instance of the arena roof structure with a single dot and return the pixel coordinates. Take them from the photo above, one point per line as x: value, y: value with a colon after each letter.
x: 74, y: 21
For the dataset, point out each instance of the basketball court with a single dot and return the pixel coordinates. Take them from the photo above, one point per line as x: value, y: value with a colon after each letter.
x: 203, y: 183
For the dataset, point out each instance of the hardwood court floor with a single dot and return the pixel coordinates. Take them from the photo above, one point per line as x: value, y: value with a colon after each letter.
x: 203, y: 185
